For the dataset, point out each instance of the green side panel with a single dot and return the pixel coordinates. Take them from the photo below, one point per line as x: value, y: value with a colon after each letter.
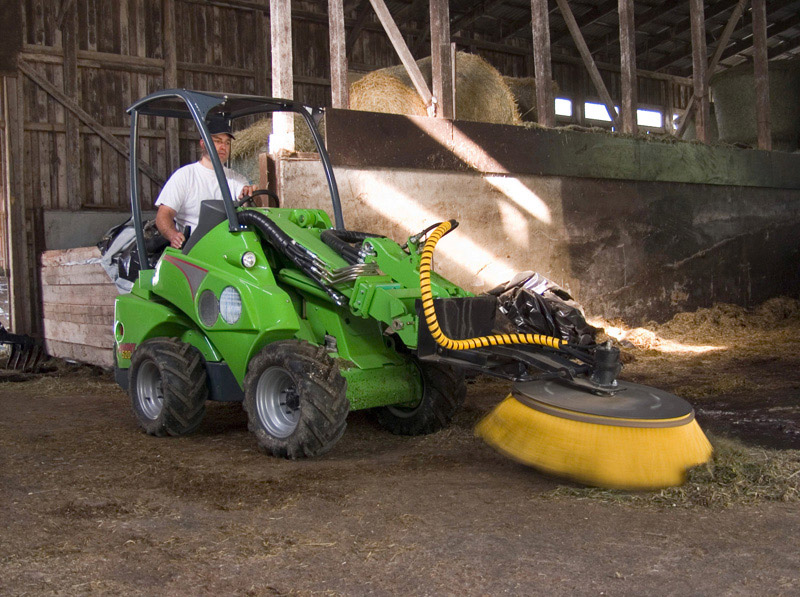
x: 143, y: 319
x: 359, y: 341
x: 268, y: 313
x: 398, y: 385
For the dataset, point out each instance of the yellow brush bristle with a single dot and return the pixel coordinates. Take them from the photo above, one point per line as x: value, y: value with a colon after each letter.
x: 595, y: 454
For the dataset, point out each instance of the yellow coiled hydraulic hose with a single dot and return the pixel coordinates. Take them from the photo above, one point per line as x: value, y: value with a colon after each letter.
x: 430, y: 312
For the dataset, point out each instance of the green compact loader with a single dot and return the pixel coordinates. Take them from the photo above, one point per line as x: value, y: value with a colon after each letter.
x: 304, y: 321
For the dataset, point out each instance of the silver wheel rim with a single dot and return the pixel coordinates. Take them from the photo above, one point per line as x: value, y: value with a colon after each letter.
x: 149, y: 390
x: 277, y: 402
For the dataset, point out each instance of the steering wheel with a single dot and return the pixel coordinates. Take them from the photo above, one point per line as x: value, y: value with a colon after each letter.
x: 273, y: 196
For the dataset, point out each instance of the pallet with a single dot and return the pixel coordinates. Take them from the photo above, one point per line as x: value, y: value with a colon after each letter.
x: 78, y: 305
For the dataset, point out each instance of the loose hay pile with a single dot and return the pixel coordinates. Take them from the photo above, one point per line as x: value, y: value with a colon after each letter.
x: 737, y: 474
x: 481, y: 93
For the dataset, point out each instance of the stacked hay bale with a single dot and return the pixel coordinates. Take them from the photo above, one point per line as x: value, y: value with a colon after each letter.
x: 253, y: 140
x: 481, y: 93
x: 524, y: 91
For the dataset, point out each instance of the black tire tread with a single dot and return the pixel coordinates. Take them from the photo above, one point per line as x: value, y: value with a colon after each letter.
x: 324, y: 405
x: 444, y: 390
x: 184, y: 386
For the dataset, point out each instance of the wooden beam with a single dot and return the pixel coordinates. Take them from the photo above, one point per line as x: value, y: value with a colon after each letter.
x: 261, y: 65
x: 364, y: 10
x: 441, y: 61
x: 593, y: 15
x: 86, y: 118
x: 588, y: 61
x: 542, y: 64
x: 699, y: 64
x: 712, y: 65
x: 761, y: 73
x: 69, y: 42
x: 169, y: 45
x: 338, y: 53
x: 20, y: 260
x: 280, y: 19
x: 627, y: 45
x: 475, y: 12
x: 385, y: 17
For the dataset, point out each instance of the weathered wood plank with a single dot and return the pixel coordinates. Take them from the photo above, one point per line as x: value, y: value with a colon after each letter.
x: 441, y: 60
x: 280, y: 12
x: 338, y: 54
x: 75, y: 256
x: 97, y: 314
x: 540, y: 23
x: 627, y: 44
x: 102, y: 357
x: 81, y: 294
x: 89, y: 334
x: 761, y: 74
x: 87, y: 118
x: 21, y: 302
x: 699, y: 63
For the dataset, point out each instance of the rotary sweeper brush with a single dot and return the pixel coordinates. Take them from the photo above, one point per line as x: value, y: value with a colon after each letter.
x: 303, y: 321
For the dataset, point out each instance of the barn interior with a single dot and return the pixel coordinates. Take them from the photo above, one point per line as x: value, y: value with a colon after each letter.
x: 642, y: 154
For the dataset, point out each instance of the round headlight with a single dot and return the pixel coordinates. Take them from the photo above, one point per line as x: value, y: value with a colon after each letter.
x: 230, y: 305
x: 249, y: 259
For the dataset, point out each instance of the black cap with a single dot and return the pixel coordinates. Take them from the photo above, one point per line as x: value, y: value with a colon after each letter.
x: 218, y: 126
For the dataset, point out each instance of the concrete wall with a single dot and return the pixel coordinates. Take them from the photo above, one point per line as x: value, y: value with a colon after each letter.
x: 71, y: 229
x: 634, y: 249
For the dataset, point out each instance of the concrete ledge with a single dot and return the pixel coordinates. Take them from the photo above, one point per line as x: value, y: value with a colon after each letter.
x: 370, y: 140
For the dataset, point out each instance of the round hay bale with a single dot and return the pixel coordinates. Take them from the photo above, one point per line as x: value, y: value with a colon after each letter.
x: 481, y: 93
x: 380, y: 91
x: 524, y: 91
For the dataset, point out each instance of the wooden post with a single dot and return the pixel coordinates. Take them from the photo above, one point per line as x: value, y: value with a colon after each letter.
x: 261, y: 56
x: 540, y: 23
x: 280, y: 17
x: 699, y: 61
x: 69, y: 41
x: 338, y: 51
x: 24, y: 311
x: 588, y: 61
x: 669, y: 107
x: 722, y: 43
x: 169, y: 44
x: 761, y: 73
x: 627, y: 44
x: 440, y: 58
x: 400, y: 46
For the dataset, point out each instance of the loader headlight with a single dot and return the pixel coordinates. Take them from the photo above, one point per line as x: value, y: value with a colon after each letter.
x: 249, y: 259
x: 230, y: 305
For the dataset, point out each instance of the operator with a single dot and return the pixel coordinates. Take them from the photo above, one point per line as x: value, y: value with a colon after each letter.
x: 180, y: 199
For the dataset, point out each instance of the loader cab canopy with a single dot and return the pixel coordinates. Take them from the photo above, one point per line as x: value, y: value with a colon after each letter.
x: 207, y: 106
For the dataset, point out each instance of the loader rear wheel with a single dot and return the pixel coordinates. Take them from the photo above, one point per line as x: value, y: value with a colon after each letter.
x: 443, y: 394
x: 168, y: 387
x: 295, y: 400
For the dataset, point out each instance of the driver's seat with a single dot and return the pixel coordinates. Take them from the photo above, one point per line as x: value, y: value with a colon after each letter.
x: 212, y: 214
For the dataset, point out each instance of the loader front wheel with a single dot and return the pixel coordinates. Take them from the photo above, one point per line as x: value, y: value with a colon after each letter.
x: 295, y: 400
x: 443, y: 394
x: 168, y: 387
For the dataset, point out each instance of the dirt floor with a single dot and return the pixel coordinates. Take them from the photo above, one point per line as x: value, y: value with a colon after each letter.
x: 92, y: 505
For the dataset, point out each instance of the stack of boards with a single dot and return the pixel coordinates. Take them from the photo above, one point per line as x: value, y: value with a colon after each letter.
x: 78, y: 305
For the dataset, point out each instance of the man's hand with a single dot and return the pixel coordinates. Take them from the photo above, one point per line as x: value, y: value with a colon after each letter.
x: 165, y: 222
x: 247, y: 191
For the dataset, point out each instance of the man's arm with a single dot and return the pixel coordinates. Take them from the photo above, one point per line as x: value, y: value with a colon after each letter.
x: 165, y: 222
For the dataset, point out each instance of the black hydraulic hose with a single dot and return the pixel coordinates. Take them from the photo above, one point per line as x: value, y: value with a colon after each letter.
x: 295, y: 252
x: 339, y: 241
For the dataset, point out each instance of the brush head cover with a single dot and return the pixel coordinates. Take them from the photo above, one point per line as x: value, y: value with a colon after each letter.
x: 639, y: 438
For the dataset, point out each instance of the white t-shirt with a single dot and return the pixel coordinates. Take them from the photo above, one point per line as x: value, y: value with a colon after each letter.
x: 191, y: 185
